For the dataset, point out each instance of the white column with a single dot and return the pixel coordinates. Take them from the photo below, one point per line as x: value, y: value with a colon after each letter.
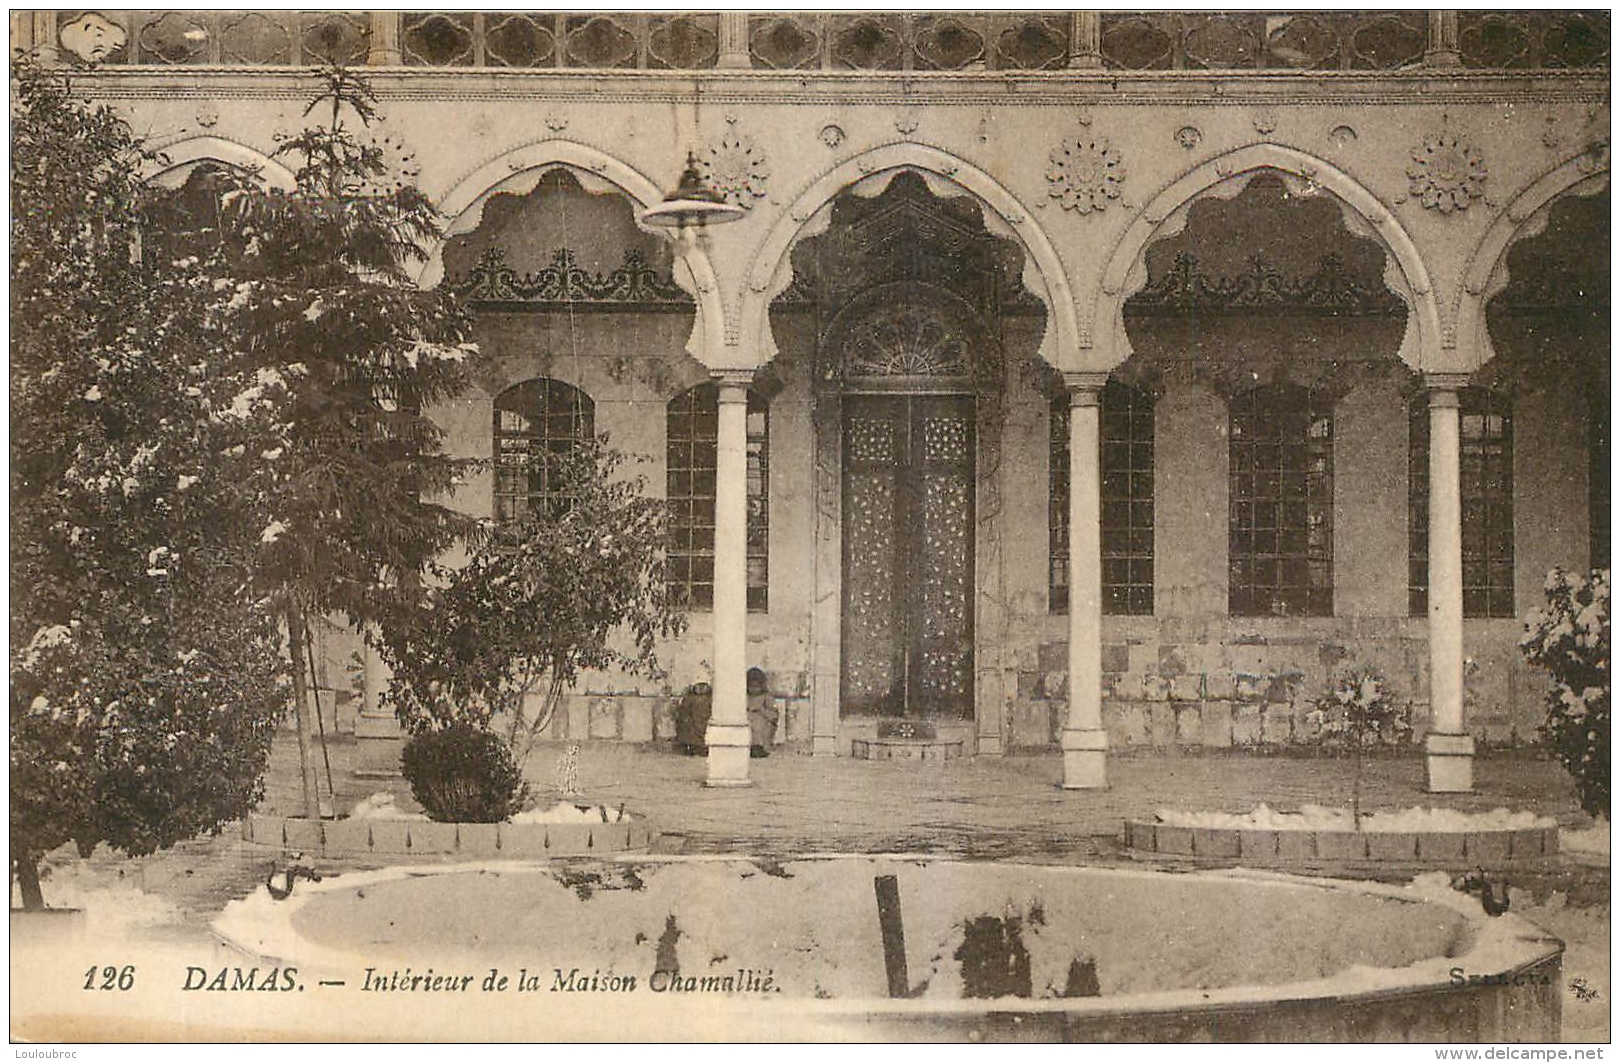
x: 1450, y: 748
x: 733, y: 41
x: 1085, y: 742
x: 727, y: 736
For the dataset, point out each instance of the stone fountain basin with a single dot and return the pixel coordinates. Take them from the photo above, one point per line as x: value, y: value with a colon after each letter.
x: 1234, y: 955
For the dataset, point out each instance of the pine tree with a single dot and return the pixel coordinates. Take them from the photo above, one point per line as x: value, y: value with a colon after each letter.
x: 333, y: 306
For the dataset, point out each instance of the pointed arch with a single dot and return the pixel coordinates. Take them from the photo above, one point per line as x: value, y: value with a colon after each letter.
x: 770, y: 270
x: 1486, y: 273
x: 1112, y: 346
x: 522, y: 167
x: 180, y: 155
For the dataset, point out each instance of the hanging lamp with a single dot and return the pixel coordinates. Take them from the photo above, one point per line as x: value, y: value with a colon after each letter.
x: 691, y: 204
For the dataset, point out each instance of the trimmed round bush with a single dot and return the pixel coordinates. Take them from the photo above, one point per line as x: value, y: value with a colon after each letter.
x: 464, y: 774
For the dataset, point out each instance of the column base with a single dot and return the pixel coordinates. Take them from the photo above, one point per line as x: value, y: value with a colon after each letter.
x: 989, y: 746
x: 1085, y: 758
x: 378, y: 742
x: 1451, y: 763
x: 823, y: 745
x: 728, y: 755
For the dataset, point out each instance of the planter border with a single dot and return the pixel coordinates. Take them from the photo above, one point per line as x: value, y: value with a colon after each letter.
x: 1269, y: 847
x: 425, y: 838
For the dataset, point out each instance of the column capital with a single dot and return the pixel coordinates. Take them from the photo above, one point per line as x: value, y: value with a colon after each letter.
x: 733, y: 383
x: 1084, y: 386
x: 1441, y: 385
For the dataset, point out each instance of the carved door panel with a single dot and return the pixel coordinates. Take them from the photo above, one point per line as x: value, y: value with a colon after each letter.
x: 908, y: 556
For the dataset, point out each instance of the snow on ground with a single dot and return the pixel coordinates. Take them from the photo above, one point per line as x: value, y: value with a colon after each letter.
x: 383, y: 806
x: 115, y: 905
x: 1585, y: 933
x: 568, y: 812
x: 1593, y: 840
x: 1317, y: 817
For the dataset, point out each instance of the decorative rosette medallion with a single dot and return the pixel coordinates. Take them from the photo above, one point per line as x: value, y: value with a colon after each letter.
x: 1085, y: 173
x: 1447, y: 173
x: 734, y: 168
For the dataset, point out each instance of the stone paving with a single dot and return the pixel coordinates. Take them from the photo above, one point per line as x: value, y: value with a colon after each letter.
x: 979, y: 807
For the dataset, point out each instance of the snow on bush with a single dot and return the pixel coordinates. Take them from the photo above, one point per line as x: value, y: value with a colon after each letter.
x: 1569, y: 637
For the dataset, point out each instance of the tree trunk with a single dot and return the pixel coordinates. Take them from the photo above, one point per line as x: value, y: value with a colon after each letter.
x: 27, y: 864
x: 1355, y: 790
x: 306, y: 723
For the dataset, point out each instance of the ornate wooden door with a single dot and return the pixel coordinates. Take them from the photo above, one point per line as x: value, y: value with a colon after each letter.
x: 908, y: 556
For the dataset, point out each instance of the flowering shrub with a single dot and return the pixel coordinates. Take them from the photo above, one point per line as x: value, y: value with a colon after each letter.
x: 574, y: 586
x: 1359, y: 710
x: 1569, y: 637
x: 144, y: 443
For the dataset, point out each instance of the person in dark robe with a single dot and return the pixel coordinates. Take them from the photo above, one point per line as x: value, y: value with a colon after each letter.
x: 761, y: 715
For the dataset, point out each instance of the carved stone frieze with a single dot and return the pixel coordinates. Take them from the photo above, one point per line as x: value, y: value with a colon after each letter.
x: 1085, y: 174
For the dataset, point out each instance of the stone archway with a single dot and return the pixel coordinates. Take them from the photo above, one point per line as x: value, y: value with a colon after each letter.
x: 1486, y: 275
x: 896, y: 332
x: 1124, y: 273
x: 181, y: 155
x: 770, y: 270
x: 521, y: 168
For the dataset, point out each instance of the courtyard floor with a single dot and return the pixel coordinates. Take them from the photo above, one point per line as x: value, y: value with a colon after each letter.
x: 984, y: 808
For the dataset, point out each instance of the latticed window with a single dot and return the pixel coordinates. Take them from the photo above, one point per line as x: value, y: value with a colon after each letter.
x: 1281, y: 511
x: 1127, y: 502
x: 535, y: 419
x: 693, y: 430
x: 1486, y: 422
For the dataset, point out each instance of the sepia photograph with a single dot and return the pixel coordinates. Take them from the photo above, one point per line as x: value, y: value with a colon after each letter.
x: 810, y: 526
